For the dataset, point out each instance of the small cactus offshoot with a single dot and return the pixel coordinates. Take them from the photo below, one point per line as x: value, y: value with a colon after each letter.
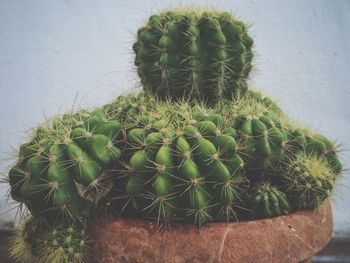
x: 268, y: 201
x: 309, y: 180
x: 38, y: 241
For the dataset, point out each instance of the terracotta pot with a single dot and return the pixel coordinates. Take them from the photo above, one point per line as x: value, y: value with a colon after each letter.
x: 292, y: 238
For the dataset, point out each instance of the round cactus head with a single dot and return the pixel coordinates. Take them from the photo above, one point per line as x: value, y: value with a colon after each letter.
x: 193, y: 55
x: 61, y: 172
x: 180, y: 163
x: 268, y: 201
x: 38, y: 241
x: 309, y: 180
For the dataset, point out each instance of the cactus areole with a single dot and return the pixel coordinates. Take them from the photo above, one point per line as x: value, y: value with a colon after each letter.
x: 196, y: 146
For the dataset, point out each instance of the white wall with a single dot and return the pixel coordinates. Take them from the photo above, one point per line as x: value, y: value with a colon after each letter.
x: 52, y: 52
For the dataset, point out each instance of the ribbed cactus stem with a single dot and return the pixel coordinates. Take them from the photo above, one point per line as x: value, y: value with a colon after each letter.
x: 193, y: 55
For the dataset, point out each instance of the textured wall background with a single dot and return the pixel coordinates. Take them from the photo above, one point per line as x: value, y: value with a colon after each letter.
x: 58, y: 54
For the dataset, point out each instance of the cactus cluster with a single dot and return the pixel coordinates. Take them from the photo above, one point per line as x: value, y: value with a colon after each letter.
x: 195, y: 147
x: 196, y: 55
x: 183, y: 161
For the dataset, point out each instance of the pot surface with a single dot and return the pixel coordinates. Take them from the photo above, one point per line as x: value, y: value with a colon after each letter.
x: 291, y: 238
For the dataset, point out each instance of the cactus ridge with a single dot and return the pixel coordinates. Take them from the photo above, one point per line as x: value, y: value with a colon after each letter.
x: 197, y: 55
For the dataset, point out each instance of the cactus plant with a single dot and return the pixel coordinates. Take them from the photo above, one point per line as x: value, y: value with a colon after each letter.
x: 182, y: 155
x: 268, y: 201
x: 62, y: 170
x: 195, y: 147
x: 181, y: 161
x: 303, y: 140
x: 309, y: 180
x: 194, y: 54
x: 38, y: 241
x: 261, y: 132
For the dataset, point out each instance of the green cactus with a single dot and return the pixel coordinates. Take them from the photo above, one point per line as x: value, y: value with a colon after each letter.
x: 262, y: 141
x: 160, y: 159
x: 197, y: 146
x: 193, y: 54
x: 308, y: 180
x: 181, y: 163
x: 38, y: 241
x: 261, y: 133
x: 268, y: 201
x: 62, y: 170
x: 302, y: 140
x: 65, y: 168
